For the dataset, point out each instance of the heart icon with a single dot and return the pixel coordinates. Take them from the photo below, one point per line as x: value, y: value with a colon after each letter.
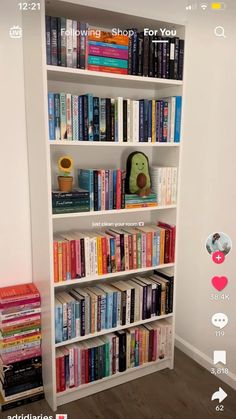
x: 219, y: 282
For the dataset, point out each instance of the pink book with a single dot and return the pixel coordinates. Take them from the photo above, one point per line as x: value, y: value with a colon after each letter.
x: 23, y: 319
x: 23, y: 303
x: 108, y: 52
x: 20, y: 356
x: 82, y: 365
x: 76, y: 372
x: 19, y: 308
x: 78, y: 259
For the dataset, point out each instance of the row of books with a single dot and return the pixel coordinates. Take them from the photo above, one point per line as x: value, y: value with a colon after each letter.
x: 164, y: 184
x: 78, y: 45
x: 91, y: 253
x: 20, y: 346
x: 86, y: 362
x: 85, y: 311
x: 90, y: 118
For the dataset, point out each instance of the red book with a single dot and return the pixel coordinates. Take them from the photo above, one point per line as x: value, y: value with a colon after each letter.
x: 62, y: 373
x: 118, y: 189
x: 55, y: 261
x: 172, y: 229
x: 23, y: 319
x: 58, y: 374
x: 18, y: 293
x: 73, y: 258
x: 104, y: 69
x: 64, y: 245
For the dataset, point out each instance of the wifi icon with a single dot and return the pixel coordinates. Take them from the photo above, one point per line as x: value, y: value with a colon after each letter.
x: 204, y: 6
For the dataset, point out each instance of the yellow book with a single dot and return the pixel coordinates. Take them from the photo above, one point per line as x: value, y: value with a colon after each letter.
x: 99, y: 247
x: 153, y: 121
x: 15, y: 342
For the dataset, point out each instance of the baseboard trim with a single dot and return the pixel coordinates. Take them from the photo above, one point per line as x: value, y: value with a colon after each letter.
x: 203, y: 360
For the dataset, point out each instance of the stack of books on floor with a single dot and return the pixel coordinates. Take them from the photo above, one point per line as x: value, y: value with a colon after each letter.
x: 20, y: 346
x: 106, y: 188
x: 84, y: 311
x: 107, y: 52
x: 164, y: 183
x: 68, y: 202
x: 86, y: 362
x: 70, y: 43
x: 99, y: 252
x: 89, y: 118
x: 136, y: 201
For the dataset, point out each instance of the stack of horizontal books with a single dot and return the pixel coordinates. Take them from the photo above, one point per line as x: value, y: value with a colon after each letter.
x: 20, y: 346
x: 66, y: 202
x: 136, y: 201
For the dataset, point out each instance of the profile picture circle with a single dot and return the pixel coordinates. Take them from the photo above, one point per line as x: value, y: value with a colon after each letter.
x: 218, y: 242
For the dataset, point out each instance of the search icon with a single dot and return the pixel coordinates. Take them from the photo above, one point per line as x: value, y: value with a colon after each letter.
x: 219, y: 31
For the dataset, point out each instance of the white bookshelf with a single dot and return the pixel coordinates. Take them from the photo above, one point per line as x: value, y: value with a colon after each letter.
x: 43, y: 155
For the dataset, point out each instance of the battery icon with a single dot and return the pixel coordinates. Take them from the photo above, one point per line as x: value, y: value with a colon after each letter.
x: 218, y: 6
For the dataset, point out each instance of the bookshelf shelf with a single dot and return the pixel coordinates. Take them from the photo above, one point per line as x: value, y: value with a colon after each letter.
x: 40, y: 79
x: 113, y: 380
x: 112, y: 330
x: 112, y: 212
x: 76, y: 75
x: 79, y: 281
x: 109, y: 144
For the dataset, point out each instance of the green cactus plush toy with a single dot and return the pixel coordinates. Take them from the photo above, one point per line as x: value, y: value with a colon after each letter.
x: 138, y: 179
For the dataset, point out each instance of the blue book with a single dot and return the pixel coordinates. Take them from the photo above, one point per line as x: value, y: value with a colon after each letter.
x: 158, y: 121
x: 73, y: 330
x: 57, y: 116
x: 104, y: 44
x: 178, y: 109
x: 92, y: 364
x: 85, y: 181
x: 107, y: 62
x: 154, y: 249
x: 114, y: 310
x: 103, y: 311
x: 58, y: 321
x: 145, y: 119
x: 80, y: 117
x: 113, y: 254
x: 141, y: 120
x: 109, y: 296
x: 90, y: 116
x: 96, y: 125
x: 51, y: 116
x: 149, y: 121
x: 77, y: 318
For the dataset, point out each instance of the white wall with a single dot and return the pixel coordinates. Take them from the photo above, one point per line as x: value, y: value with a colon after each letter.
x: 15, y: 243
x: 208, y: 197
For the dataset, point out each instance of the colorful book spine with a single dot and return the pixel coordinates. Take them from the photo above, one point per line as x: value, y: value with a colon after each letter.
x: 107, y: 62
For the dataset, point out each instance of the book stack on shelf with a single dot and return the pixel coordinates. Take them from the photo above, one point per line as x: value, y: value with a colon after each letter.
x: 91, y: 118
x: 66, y: 202
x: 114, y: 353
x: 136, y: 201
x: 107, y: 52
x: 93, y: 253
x: 164, y: 183
x: 85, y: 311
x: 74, y: 44
x: 20, y: 350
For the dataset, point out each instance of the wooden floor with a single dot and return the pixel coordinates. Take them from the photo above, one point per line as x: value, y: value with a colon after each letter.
x: 182, y: 393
